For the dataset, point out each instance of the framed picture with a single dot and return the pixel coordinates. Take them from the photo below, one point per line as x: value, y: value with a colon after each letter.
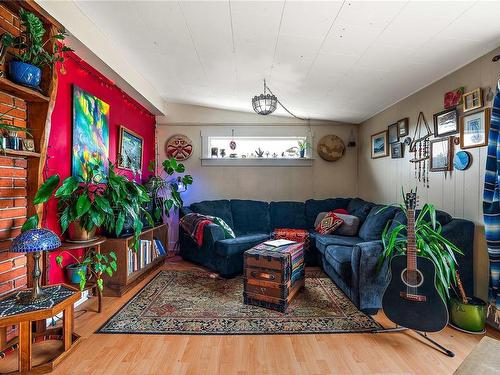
x: 130, y: 150
x: 379, y: 146
x: 397, y: 150
x: 393, y: 133
x: 446, y: 122
x: 403, y: 127
x: 90, y: 133
x: 453, y: 98
x: 441, y: 151
x: 472, y: 100
x: 474, y: 129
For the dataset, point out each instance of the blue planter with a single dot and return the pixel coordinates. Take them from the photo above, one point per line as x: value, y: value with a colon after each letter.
x: 72, y: 272
x: 25, y: 74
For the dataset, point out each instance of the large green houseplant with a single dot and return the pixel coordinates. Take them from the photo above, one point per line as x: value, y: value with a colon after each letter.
x: 430, y: 244
x: 30, y: 49
x: 127, y: 199
x: 164, y: 190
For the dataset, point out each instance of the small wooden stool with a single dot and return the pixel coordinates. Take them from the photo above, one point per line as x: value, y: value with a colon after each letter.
x: 61, y: 298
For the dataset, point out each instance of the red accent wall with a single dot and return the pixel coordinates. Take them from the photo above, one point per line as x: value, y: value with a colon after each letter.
x: 123, y: 111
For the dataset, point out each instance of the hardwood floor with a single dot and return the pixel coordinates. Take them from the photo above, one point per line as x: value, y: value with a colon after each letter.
x: 395, y: 353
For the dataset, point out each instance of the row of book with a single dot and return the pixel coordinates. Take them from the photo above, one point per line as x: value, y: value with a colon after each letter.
x: 147, y: 252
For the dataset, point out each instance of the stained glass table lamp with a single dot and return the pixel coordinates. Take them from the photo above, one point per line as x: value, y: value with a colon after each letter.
x: 35, y: 241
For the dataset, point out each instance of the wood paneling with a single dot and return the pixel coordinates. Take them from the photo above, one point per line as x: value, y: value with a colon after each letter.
x: 458, y: 192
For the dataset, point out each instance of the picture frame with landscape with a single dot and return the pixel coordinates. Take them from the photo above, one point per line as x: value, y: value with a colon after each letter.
x: 441, y: 154
x: 474, y: 128
x: 397, y: 150
x: 379, y: 145
x: 446, y: 122
x: 472, y: 100
x: 130, y: 146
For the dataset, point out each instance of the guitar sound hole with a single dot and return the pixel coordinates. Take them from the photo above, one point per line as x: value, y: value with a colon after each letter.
x: 412, y: 278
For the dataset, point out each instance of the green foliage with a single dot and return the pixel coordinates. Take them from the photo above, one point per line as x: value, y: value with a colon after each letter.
x: 30, y: 44
x: 126, y: 200
x: 164, y: 193
x: 303, y: 145
x: 430, y: 244
x: 96, y: 263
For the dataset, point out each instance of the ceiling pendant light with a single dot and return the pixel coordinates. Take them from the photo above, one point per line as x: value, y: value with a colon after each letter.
x: 265, y: 104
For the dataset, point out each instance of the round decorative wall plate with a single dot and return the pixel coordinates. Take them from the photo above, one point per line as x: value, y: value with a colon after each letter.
x: 331, y: 148
x: 462, y: 160
x: 179, y: 147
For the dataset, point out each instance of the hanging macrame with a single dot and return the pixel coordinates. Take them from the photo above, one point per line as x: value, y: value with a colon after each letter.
x: 420, y: 146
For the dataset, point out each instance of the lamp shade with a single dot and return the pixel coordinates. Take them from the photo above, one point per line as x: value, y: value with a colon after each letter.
x: 264, y: 104
x: 35, y: 240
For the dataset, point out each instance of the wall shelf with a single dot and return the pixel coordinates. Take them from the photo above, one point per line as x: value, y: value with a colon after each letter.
x: 22, y: 92
x: 10, y: 152
x: 258, y: 162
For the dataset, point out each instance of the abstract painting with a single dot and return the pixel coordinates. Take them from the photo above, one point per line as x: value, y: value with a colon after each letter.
x: 90, y: 133
x: 130, y: 150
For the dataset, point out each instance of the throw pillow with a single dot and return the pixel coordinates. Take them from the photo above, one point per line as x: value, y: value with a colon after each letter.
x: 342, y: 211
x: 228, y: 232
x: 329, y: 223
x: 349, y: 227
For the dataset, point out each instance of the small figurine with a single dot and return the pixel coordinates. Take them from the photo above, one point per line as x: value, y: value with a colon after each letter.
x: 259, y: 152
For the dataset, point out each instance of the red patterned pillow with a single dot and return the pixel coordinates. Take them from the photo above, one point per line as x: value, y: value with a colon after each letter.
x: 329, y: 223
x: 341, y: 211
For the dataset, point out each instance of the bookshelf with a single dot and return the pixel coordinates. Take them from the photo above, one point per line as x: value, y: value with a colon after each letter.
x: 126, y: 277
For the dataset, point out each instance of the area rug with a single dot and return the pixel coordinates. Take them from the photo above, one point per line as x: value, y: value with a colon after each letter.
x: 194, y: 303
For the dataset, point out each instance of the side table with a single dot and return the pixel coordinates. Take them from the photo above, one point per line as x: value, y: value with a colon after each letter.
x: 62, y: 298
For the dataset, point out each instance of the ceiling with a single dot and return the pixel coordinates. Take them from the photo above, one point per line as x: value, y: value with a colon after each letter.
x: 336, y: 60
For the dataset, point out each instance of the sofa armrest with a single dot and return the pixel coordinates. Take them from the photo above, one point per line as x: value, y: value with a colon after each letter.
x: 369, y: 282
x: 213, y: 233
x: 461, y: 233
x: 184, y: 211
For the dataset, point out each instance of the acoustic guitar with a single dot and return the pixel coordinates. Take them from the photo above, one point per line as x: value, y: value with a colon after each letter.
x: 411, y: 299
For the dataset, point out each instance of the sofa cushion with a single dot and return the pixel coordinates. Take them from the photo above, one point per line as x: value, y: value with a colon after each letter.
x: 339, y: 257
x: 323, y: 241
x: 360, y: 208
x: 219, y: 208
x: 349, y: 227
x: 376, y: 221
x: 315, y: 206
x: 442, y: 218
x: 250, y: 216
x: 287, y: 215
x: 238, y: 245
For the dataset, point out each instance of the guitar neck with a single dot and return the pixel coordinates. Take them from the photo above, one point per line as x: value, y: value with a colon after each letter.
x: 411, y: 247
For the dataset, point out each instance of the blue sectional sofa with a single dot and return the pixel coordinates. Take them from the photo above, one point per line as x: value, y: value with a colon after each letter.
x: 349, y: 261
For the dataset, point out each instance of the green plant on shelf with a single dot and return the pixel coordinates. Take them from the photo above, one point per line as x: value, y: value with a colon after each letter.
x: 6, y: 128
x: 30, y: 44
x: 97, y: 264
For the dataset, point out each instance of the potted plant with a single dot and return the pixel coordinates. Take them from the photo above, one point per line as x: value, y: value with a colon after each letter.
x: 30, y: 50
x: 165, y: 191
x: 6, y: 129
x: 92, y: 267
x: 126, y: 199
x: 303, y: 146
x: 82, y: 206
x: 430, y: 244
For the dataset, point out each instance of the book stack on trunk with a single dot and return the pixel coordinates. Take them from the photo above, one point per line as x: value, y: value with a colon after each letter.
x: 274, y: 273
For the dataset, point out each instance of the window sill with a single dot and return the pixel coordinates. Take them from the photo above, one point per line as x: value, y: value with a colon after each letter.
x: 257, y: 162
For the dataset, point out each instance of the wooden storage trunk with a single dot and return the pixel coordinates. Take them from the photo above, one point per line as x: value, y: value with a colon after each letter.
x: 273, y: 275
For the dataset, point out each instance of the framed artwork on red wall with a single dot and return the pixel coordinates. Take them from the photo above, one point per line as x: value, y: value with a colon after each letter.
x: 130, y: 145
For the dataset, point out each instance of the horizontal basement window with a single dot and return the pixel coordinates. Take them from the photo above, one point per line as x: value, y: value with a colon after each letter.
x: 256, y: 151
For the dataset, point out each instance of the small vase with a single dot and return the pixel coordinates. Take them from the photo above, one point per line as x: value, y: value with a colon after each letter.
x: 3, y: 142
x: 302, y: 153
x: 77, y: 233
x: 14, y: 143
x: 25, y: 74
x: 222, y: 152
x: 72, y: 272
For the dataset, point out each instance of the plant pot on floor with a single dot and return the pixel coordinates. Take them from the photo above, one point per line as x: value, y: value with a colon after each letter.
x: 76, y: 233
x: 469, y: 317
x: 72, y: 271
x: 25, y: 74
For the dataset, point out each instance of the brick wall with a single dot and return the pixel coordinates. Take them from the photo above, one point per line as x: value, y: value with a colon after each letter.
x: 13, y: 173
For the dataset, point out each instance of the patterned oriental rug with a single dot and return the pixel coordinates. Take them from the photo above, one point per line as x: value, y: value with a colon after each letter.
x: 192, y: 302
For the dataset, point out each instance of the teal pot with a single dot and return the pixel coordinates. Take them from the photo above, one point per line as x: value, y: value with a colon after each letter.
x: 14, y: 143
x: 302, y: 153
x: 25, y: 74
x: 470, y: 317
x: 72, y: 272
